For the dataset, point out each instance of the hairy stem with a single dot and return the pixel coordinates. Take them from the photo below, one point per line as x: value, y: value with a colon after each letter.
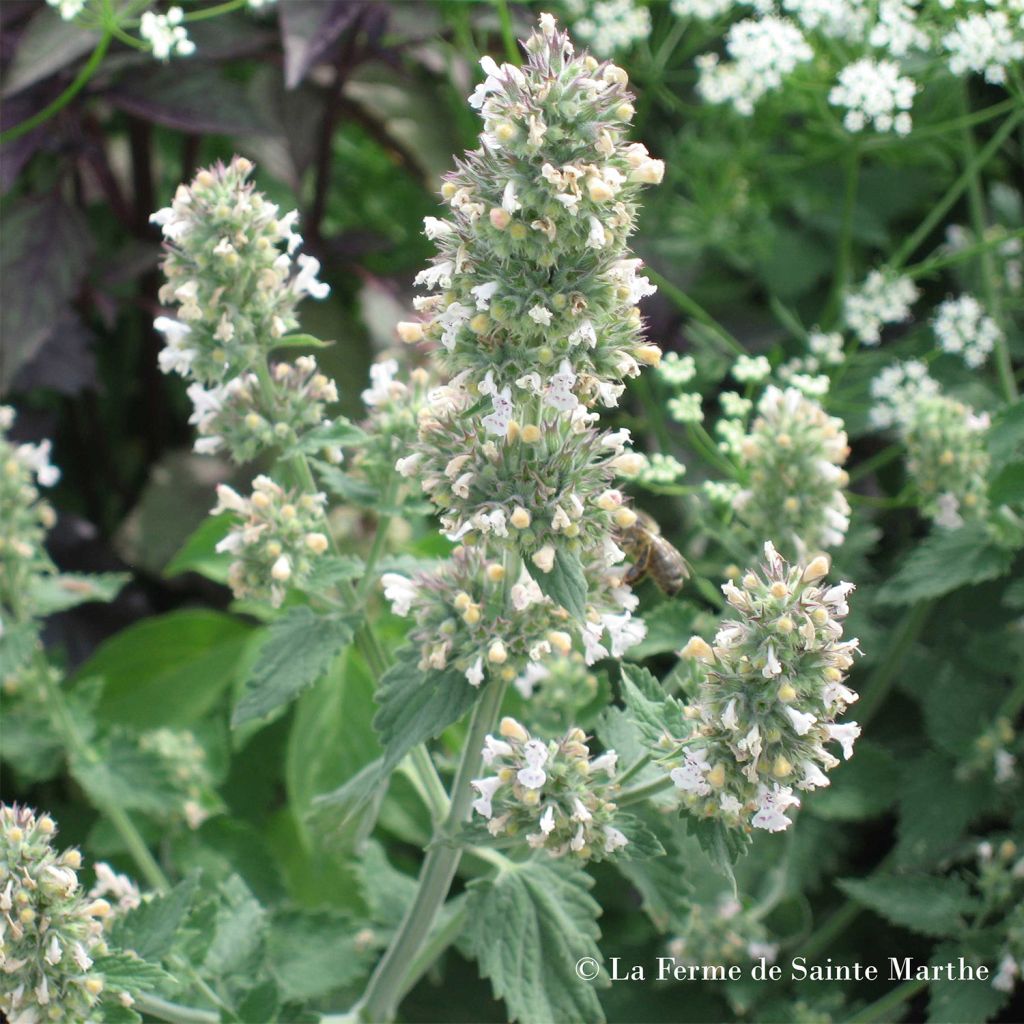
x: 385, y: 988
x: 883, y: 1009
x: 175, y: 1013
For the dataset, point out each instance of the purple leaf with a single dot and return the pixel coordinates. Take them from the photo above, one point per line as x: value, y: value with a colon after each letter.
x: 309, y: 28
x: 47, y: 45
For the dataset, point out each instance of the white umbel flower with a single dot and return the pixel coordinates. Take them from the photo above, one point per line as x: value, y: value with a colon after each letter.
x: 875, y: 95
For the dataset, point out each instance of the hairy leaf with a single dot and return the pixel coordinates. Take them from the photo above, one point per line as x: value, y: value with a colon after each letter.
x: 565, y: 584
x: 299, y: 649
x: 150, y: 929
x: 921, y: 903
x: 528, y: 928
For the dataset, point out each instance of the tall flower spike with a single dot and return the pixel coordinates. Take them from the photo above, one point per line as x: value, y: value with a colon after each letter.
x: 771, y: 688
x: 535, y: 311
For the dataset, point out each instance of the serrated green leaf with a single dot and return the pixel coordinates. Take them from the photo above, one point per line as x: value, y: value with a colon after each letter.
x: 566, y: 584
x: 118, y: 772
x: 342, y: 816
x: 314, y: 953
x: 416, y: 706
x: 528, y: 928
x: 331, y: 737
x: 643, y: 842
x: 169, y: 670
x: 238, y: 931
x: 126, y: 972
x: 17, y: 642
x: 386, y: 890
x: 56, y: 593
x: 654, y: 711
x: 966, y: 1002
x: 150, y: 929
x: 299, y: 649
x: 723, y: 846
x: 944, y: 561
x: 1005, y: 437
x: 339, y: 431
x: 669, y: 626
x: 921, y: 903
x: 861, y: 788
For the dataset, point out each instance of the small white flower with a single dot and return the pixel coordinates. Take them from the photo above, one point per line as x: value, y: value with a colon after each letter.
x: 497, y: 422
x: 400, y: 591
x: 165, y: 33
x: 874, y: 93
x: 613, y: 839
x: 306, y: 283
x: 690, y: 777
x: 540, y: 315
x: 773, y: 803
x: 845, y: 735
x: 486, y: 788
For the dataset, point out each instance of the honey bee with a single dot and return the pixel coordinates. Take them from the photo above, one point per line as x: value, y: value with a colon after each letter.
x: 652, y: 556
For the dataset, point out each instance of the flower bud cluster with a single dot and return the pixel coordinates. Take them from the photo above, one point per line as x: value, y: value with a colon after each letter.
x: 996, y: 752
x: 553, y: 792
x: 531, y: 487
x: 1000, y: 881
x: 721, y: 934
x: 557, y: 690
x: 276, y: 539
x: 50, y: 931
x: 948, y: 460
x: 468, y: 615
x: 791, y: 460
x: 189, y: 772
x: 233, y: 416
x: 24, y: 468
x: 230, y: 272
x: 771, y: 688
x: 883, y: 298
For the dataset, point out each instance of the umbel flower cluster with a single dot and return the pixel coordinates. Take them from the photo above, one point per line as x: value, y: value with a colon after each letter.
x: 771, y: 687
x: 50, y: 931
x: 947, y: 456
x: 535, y: 308
x: 792, y: 458
x: 552, y: 792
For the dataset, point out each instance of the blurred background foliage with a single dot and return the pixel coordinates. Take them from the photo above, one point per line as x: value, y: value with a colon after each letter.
x: 351, y: 111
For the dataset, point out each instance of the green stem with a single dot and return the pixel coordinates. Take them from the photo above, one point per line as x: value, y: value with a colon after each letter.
x: 880, y: 682
x: 213, y: 12
x: 385, y: 988
x: 637, y: 794
x: 950, y: 259
x: 175, y: 1013
x: 956, y: 190
x: 508, y: 34
x: 882, y: 1009
x: 379, y: 539
x: 696, y: 310
x: 833, y: 927
x: 435, y: 795
x: 637, y: 766
x: 979, y: 224
x: 844, y: 248
x: 437, y: 942
x: 88, y: 70
x: 78, y: 747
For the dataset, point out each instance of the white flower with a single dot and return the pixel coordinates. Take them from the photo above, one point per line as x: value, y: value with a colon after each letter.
x: 985, y: 43
x: 764, y: 53
x: 306, y: 283
x: 483, y: 293
x: 624, y: 632
x: 751, y: 369
x: 486, y: 788
x: 475, y: 673
x: 771, y: 814
x: 36, y: 458
x: 400, y: 591
x: 68, y: 9
x: 1006, y: 977
x: 497, y: 422
x: 677, y: 370
x: 495, y: 748
x: 874, y: 93
x: 963, y: 328
x: 547, y: 820
x: 801, y: 722
x: 540, y: 315
x: 165, y: 34
x: 691, y: 775
x: 613, y: 839
x: 605, y: 763
x: 558, y: 394
x: 176, y: 356
x: 608, y: 26
x: 881, y: 299
x: 686, y: 408
x: 845, y: 734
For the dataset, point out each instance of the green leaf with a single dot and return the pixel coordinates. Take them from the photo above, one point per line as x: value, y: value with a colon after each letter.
x: 169, y: 670
x: 944, y: 561
x: 921, y: 903
x: 723, y: 846
x: 299, y: 649
x: 655, y: 711
x: 314, y: 953
x: 1008, y: 486
x: 338, y: 431
x: 238, y: 931
x: 49, y: 594
x: 122, y: 971
x: 17, y: 642
x: 386, y: 890
x: 199, y: 553
x: 346, y: 815
x: 528, y: 928
x: 1006, y: 435
x: 301, y: 341
x: 331, y: 737
x: 118, y: 772
x: 669, y: 626
x: 643, y: 843
x: 150, y: 929
x: 565, y: 584
x: 416, y: 706
x: 966, y: 1002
